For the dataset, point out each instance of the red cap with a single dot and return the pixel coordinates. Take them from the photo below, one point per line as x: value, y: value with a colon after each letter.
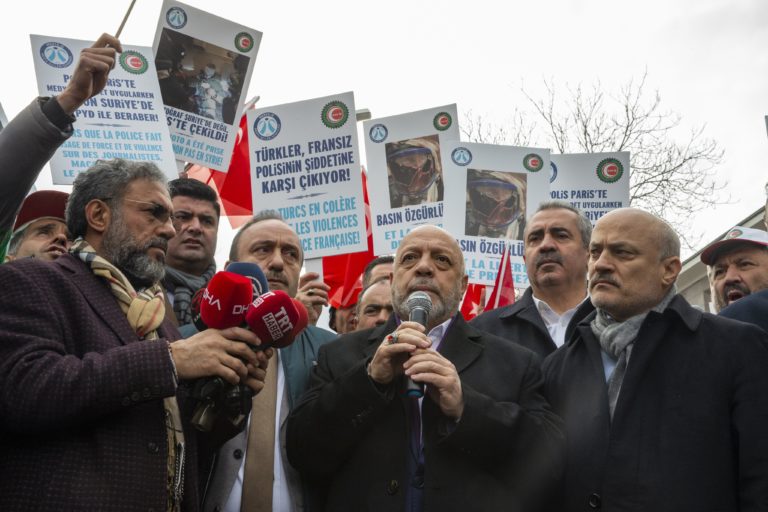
x: 43, y: 203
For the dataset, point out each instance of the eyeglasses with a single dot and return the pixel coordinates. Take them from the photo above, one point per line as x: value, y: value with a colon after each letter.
x: 158, y: 211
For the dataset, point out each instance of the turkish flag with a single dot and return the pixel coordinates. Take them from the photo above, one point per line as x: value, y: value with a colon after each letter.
x: 503, y: 292
x: 342, y: 272
x: 473, y: 301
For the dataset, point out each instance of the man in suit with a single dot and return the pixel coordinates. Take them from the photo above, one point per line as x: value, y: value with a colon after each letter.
x: 243, y: 478
x: 664, y: 406
x: 93, y: 413
x: 474, y: 441
x: 556, y: 240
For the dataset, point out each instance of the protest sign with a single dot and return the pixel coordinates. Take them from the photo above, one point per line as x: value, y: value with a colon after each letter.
x: 596, y: 183
x: 126, y: 120
x: 3, y: 119
x: 492, y: 191
x: 204, y: 64
x: 405, y: 172
x: 305, y: 164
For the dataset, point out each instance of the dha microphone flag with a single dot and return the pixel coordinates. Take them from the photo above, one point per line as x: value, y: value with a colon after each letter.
x: 225, y: 300
x: 273, y: 317
x: 253, y: 272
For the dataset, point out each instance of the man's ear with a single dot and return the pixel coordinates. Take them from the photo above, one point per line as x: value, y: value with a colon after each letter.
x: 98, y: 216
x: 671, y: 269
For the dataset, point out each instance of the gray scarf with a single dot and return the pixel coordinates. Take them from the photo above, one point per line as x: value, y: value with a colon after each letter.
x: 618, y: 338
x: 183, y: 286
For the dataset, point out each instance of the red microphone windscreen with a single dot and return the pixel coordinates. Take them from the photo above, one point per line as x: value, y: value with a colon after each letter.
x: 303, y: 320
x: 225, y: 300
x: 273, y: 317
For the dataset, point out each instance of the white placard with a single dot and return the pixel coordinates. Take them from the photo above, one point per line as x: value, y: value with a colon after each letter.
x: 3, y: 119
x: 205, y: 64
x: 405, y: 174
x: 305, y: 164
x: 126, y: 120
x: 492, y: 191
x: 593, y: 182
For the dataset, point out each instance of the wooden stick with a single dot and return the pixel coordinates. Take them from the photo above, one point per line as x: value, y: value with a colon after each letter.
x: 130, y: 8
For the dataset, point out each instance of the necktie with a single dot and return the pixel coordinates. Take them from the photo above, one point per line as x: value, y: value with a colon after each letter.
x: 258, y: 476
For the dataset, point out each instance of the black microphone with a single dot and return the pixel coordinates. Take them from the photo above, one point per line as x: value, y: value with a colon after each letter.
x: 418, y: 304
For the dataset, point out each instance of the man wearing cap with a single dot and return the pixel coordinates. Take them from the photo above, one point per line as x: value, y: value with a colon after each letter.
x: 738, y: 275
x: 40, y: 231
x: 32, y: 137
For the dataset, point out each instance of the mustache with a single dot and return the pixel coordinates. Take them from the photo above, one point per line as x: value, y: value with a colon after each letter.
x: 739, y: 287
x: 603, y: 278
x: 276, y: 276
x: 544, y: 258
x: 423, y: 283
x: 160, y: 243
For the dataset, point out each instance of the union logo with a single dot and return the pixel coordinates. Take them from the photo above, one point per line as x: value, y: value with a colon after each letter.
x: 610, y: 170
x: 133, y: 62
x: 734, y: 233
x: 552, y: 171
x: 442, y: 121
x: 176, y: 17
x: 244, y: 42
x: 267, y: 126
x: 56, y: 54
x: 461, y: 156
x: 378, y: 133
x: 533, y: 162
x: 334, y: 114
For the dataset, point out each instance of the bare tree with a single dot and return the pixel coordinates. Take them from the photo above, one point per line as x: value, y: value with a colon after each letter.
x: 670, y: 177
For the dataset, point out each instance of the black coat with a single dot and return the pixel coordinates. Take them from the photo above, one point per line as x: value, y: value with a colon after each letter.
x: 690, y: 429
x: 521, y: 322
x: 355, y: 437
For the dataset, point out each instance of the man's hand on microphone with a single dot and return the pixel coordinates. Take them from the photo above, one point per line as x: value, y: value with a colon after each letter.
x: 313, y: 293
x: 443, y: 383
x: 224, y: 353
x: 387, y: 362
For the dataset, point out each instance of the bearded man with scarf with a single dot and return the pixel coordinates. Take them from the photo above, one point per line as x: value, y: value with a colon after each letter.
x: 94, y: 413
x: 664, y: 406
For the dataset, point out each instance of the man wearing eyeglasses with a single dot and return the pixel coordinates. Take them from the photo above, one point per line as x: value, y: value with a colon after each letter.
x: 190, y: 260
x: 93, y: 409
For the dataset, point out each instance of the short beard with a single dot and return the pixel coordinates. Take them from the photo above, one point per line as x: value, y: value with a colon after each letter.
x: 443, y: 309
x: 124, y: 252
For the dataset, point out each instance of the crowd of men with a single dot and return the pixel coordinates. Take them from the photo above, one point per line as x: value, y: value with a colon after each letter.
x: 600, y: 388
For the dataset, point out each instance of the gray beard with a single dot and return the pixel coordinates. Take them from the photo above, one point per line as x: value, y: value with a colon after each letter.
x: 122, y: 250
x: 442, y: 310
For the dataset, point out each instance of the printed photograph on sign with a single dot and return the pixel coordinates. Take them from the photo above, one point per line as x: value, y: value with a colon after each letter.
x: 414, y: 171
x: 200, y: 77
x: 495, y: 204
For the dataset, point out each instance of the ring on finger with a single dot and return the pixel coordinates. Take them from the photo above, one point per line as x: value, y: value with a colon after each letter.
x: 311, y: 292
x: 392, y: 338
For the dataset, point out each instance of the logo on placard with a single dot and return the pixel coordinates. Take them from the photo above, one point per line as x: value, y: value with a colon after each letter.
x: 610, y: 170
x: 56, y: 54
x: 552, y: 171
x: 267, y: 126
x: 461, y: 156
x: 176, y: 17
x: 442, y: 121
x: 335, y: 114
x: 734, y: 233
x: 533, y: 162
x: 133, y: 62
x: 378, y: 133
x: 244, y: 42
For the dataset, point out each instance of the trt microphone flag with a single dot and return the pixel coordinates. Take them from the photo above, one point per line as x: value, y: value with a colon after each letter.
x: 503, y: 292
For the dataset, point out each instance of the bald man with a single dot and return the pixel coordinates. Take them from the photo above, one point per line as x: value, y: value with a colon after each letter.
x: 471, y: 443
x: 664, y: 406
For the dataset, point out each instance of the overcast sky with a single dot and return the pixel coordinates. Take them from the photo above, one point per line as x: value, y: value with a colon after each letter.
x: 707, y: 58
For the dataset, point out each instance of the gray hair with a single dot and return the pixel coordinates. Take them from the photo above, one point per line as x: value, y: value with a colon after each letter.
x: 257, y: 217
x: 669, y: 241
x: 584, y: 224
x: 106, y: 180
x: 14, y: 244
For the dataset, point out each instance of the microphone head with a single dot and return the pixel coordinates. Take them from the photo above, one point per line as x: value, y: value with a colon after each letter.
x: 419, y: 300
x: 253, y: 272
x: 273, y: 317
x: 225, y: 300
